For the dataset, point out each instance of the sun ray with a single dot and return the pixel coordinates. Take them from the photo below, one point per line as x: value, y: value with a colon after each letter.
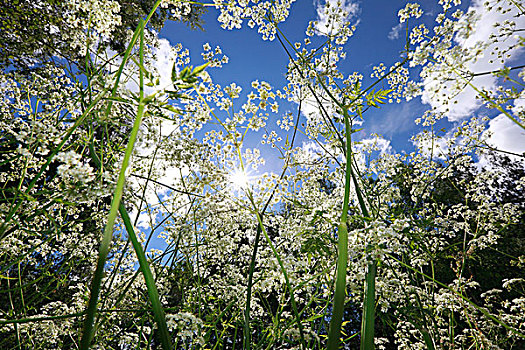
x: 239, y: 178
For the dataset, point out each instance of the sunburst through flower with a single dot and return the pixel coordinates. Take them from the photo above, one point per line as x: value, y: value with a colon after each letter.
x: 239, y: 178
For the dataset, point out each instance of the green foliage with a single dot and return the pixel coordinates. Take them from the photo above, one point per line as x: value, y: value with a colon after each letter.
x: 374, y: 98
x: 32, y: 36
x: 99, y: 161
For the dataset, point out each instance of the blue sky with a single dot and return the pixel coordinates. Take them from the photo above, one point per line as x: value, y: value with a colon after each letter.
x: 374, y: 41
x: 252, y: 58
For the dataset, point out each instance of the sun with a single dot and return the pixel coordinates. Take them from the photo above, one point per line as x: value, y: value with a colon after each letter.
x: 239, y: 178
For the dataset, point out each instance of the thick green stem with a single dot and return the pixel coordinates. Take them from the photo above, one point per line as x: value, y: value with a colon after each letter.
x: 340, y: 289
x: 367, y: 323
x: 336, y: 321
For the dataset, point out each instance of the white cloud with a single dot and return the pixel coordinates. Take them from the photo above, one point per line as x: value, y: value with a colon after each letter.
x: 163, y: 129
x: 434, y: 146
x: 315, y: 113
x: 311, y: 109
x: 506, y: 135
x: 309, y: 152
x: 162, y: 66
x: 165, y: 58
x: 156, y: 193
x: 366, y: 149
x: 325, y: 14
x: 375, y: 144
x: 465, y: 103
x: 395, y: 31
x: 395, y: 119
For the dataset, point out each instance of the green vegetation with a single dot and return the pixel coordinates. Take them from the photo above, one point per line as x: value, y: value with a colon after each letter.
x: 347, y: 245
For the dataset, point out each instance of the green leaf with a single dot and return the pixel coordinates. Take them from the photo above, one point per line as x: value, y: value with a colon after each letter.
x: 200, y: 68
x: 174, y: 73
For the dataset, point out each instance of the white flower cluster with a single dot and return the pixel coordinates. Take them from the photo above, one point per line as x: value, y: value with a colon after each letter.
x: 253, y: 158
x: 265, y: 14
x: 335, y: 21
x: 209, y: 55
x: 410, y: 10
x: 287, y: 122
x: 188, y: 328
x: 89, y: 18
x: 177, y: 8
x: 73, y: 170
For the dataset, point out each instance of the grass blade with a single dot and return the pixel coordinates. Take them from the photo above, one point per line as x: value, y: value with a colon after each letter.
x: 108, y: 234
x: 158, y: 311
x: 91, y: 311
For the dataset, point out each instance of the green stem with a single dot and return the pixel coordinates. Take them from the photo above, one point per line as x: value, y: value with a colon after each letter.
x: 336, y: 321
x: 247, y: 335
x: 367, y: 324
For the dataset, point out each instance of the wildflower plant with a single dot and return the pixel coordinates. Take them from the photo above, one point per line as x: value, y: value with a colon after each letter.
x: 347, y: 242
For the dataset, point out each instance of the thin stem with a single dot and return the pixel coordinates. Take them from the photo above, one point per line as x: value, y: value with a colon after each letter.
x: 480, y: 309
x: 247, y: 335
x: 285, y: 274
